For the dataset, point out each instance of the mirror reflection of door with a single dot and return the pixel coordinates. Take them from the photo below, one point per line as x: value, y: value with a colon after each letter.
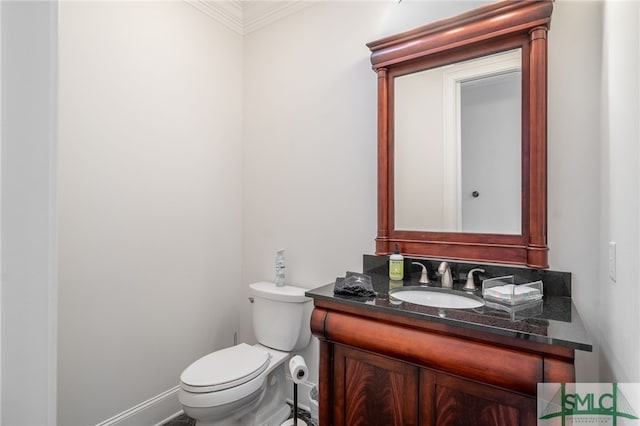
x: 490, y: 137
x: 456, y: 132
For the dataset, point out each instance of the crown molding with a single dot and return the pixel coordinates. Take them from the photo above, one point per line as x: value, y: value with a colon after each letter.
x: 259, y: 14
x: 244, y: 16
x: 228, y: 13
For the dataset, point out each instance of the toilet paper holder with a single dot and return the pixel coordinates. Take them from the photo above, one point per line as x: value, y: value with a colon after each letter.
x: 299, y: 373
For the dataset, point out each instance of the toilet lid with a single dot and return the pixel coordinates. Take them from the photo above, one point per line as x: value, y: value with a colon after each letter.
x: 225, y: 368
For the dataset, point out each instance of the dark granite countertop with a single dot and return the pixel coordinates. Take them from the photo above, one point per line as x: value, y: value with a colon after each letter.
x: 554, y: 320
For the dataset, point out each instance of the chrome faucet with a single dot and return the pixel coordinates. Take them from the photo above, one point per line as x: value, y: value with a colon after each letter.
x: 445, y: 271
x: 424, y: 276
x: 471, y: 284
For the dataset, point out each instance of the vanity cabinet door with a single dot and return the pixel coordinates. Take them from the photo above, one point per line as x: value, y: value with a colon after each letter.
x: 452, y: 401
x: 373, y: 390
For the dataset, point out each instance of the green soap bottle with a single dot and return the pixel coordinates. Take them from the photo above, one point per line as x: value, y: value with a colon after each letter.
x: 396, y: 265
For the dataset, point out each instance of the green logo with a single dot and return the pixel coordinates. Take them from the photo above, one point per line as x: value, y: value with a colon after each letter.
x: 587, y: 405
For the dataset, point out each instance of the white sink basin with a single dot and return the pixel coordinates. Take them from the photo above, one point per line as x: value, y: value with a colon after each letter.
x: 436, y: 298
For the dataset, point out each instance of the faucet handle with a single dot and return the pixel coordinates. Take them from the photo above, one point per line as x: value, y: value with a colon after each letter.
x: 471, y: 285
x: 424, y: 277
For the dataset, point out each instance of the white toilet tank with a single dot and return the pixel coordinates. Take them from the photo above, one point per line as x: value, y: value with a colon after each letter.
x: 281, y: 316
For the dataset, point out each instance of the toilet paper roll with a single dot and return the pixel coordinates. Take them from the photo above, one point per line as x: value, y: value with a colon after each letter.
x: 298, y: 369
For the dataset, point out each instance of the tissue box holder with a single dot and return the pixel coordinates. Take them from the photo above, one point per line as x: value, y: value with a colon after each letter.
x: 518, y: 312
x: 503, y: 290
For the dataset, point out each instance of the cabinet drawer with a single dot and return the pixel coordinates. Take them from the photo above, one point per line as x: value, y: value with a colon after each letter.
x: 506, y: 368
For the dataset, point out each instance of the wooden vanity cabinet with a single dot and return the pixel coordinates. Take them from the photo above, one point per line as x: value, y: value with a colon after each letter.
x: 371, y: 387
x: 384, y: 369
x: 448, y: 400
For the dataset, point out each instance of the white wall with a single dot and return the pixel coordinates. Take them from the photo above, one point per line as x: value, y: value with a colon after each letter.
x: 29, y: 50
x: 310, y: 146
x: 310, y: 177
x: 619, y: 317
x: 157, y: 244
x: 310, y: 173
x: 150, y: 181
x: 574, y: 142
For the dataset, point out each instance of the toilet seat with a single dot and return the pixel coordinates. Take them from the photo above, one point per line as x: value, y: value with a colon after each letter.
x: 225, y: 369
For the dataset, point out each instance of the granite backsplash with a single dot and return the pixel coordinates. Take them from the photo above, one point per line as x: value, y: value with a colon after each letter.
x: 556, y: 283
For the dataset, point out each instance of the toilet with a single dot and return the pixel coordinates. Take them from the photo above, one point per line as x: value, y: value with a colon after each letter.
x: 244, y: 385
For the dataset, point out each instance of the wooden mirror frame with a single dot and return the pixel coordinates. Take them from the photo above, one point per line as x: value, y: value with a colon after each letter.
x: 496, y: 27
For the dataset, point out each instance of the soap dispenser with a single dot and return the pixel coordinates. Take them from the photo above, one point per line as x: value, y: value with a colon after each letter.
x: 396, y: 265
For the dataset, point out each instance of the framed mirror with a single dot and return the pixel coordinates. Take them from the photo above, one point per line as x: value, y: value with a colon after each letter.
x: 462, y: 136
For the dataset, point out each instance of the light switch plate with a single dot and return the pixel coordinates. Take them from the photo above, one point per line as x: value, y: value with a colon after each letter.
x: 612, y: 261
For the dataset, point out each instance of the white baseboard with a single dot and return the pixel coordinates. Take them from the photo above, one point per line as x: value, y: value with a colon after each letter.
x: 152, y: 412
x: 162, y: 408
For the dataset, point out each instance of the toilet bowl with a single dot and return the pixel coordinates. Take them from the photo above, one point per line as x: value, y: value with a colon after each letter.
x: 223, y: 387
x: 244, y: 385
